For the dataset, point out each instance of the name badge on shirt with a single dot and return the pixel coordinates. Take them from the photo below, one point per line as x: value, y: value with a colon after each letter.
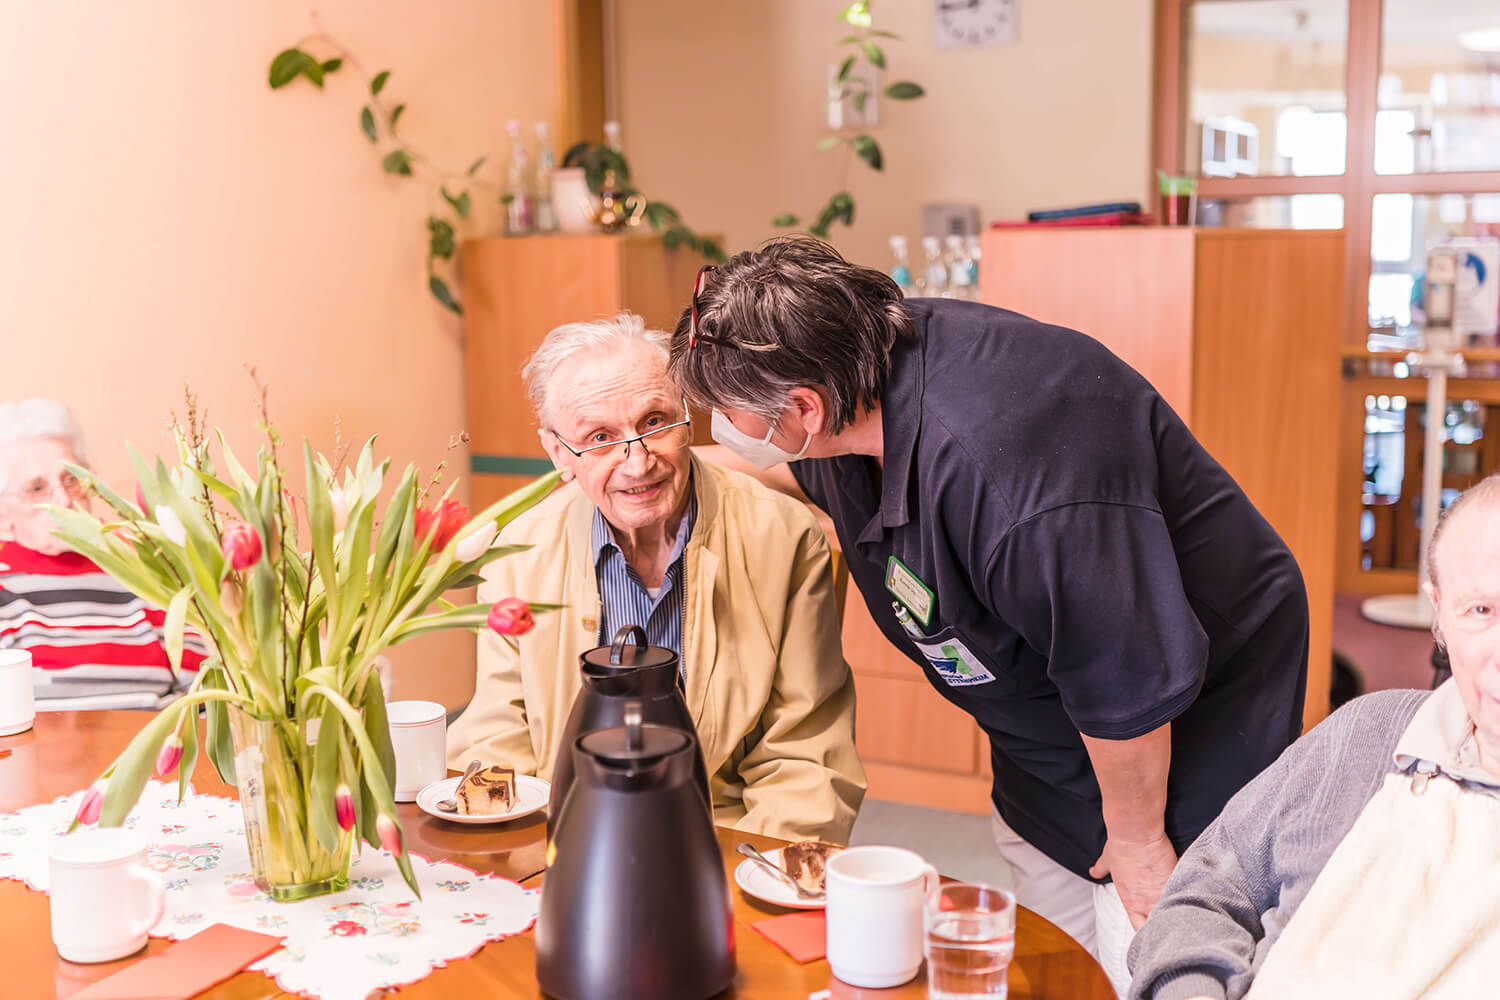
x: 910, y: 591
x: 955, y: 663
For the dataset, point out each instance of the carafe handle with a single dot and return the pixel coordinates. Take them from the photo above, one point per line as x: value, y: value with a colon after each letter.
x: 617, y: 648
x: 634, y: 740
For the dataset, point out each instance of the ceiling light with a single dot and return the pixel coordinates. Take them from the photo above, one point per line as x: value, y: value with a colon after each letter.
x: 1481, y: 39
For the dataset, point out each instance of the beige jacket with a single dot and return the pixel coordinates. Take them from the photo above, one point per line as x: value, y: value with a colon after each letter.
x: 767, y: 685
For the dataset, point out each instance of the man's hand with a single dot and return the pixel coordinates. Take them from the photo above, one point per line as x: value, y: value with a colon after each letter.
x: 1139, y: 870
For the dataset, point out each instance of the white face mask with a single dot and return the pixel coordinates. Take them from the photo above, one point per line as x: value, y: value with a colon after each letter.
x: 759, y: 452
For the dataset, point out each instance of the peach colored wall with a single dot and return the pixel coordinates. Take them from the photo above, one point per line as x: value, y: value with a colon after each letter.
x: 721, y: 113
x: 168, y: 219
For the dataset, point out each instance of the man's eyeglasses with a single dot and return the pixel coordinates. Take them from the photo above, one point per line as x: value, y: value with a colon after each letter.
x: 41, y: 490
x: 668, y: 437
x: 696, y: 336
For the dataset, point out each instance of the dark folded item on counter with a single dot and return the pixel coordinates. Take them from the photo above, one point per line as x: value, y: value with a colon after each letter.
x: 1101, y: 208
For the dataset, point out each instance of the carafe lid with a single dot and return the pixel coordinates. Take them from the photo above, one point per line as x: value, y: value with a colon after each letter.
x: 625, y: 654
x: 635, y: 744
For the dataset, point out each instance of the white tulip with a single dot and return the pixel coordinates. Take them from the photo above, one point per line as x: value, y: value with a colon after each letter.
x: 171, y: 524
x: 339, y: 500
x: 474, y: 544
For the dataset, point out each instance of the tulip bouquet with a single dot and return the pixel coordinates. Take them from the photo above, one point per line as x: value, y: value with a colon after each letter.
x: 296, y: 597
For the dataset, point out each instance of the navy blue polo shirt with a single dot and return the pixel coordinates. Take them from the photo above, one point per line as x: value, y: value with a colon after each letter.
x: 1092, y: 570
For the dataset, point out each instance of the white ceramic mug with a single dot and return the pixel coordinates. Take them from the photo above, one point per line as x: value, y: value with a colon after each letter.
x: 105, y: 900
x: 874, y: 914
x: 418, y: 732
x: 17, y: 692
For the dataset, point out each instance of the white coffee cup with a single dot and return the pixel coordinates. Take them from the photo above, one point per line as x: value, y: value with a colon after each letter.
x: 418, y: 732
x: 17, y: 692
x: 874, y: 914
x: 105, y: 900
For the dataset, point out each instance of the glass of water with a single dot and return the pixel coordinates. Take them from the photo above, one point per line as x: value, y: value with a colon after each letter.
x: 969, y: 941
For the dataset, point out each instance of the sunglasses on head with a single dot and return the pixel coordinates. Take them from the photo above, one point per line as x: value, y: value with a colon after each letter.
x: 696, y: 336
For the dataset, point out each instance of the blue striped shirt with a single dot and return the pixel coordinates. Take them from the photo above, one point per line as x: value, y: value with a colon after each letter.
x: 624, y: 599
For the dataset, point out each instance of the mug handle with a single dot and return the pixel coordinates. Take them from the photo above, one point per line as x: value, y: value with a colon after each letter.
x: 930, y: 880
x: 156, y: 891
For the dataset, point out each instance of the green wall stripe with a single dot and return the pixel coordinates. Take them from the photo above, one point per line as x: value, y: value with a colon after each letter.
x: 509, y: 465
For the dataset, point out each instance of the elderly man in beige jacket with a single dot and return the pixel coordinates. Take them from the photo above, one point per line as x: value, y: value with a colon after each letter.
x: 735, y: 577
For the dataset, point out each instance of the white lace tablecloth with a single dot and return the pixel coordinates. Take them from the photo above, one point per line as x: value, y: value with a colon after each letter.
x: 338, y: 947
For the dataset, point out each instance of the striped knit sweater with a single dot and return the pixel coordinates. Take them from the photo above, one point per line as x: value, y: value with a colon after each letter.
x: 93, y: 643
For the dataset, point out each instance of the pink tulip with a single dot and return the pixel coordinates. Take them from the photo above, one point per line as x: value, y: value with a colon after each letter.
x: 390, y: 834
x: 511, y: 616
x: 169, y: 755
x: 92, y: 803
x: 442, y: 524
x: 140, y: 500
x: 241, y: 545
x: 343, y: 808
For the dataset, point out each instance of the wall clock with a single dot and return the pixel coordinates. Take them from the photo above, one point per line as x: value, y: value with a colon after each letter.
x: 964, y: 23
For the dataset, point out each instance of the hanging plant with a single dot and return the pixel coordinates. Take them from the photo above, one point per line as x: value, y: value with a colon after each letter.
x: 450, y: 192
x: 863, y: 46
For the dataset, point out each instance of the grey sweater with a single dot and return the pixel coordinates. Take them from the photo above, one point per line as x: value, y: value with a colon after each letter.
x: 1236, y: 888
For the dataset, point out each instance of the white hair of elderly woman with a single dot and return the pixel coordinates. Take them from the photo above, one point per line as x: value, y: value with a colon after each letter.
x: 35, y: 420
x: 571, y: 338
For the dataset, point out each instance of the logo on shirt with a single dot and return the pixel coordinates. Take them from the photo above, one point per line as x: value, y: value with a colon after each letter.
x: 955, y: 663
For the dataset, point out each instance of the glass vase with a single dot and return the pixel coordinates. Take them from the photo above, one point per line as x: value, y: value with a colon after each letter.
x: 273, y: 766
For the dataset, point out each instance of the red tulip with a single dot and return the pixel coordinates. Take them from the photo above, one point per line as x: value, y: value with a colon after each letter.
x: 240, y: 545
x: 91, y: 804
x: 140, y: 500
x: 343, y: 807
x: 442, y: 524
x: 390, y: 834
x: 511, y: 616
x: 169, y: 755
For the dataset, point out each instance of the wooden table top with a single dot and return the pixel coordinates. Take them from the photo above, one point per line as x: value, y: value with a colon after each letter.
x: 67, y: 750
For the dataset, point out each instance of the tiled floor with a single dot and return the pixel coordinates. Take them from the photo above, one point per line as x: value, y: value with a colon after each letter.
x: 955, y: 844
x: 960, y: 845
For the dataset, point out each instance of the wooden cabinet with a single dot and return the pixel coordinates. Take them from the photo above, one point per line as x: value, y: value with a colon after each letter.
x: 1239, y: 332
x: 515, y: 291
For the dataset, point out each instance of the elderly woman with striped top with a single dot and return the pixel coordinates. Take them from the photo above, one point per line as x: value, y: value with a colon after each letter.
x: 93, y: 644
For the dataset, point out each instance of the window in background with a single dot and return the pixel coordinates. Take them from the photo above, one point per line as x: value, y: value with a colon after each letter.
x: 1262, y: 77
x: 1402, y: 227
x: 1297, y: 211
x: 1440, y: 62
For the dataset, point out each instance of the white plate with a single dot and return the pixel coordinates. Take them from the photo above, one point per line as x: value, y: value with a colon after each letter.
x: 761, y: 884
x: 531, y: 795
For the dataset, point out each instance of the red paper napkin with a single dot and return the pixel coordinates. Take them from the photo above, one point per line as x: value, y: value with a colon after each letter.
x: 804, y: 936
x: 185, y: 969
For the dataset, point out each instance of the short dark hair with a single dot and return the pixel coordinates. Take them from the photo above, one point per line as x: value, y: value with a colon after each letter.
x: 792, y: 314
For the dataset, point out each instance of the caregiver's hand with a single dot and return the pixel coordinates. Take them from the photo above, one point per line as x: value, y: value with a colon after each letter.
x: 1139, y: 869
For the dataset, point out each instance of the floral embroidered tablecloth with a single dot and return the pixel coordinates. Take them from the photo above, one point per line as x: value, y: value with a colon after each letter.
x: 338, y: 947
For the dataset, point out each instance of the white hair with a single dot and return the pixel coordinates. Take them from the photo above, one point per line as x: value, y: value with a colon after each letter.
x: 36, y: 420
x: 569, y: 339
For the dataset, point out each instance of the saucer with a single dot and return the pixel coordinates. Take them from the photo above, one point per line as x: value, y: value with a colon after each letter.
x: 761, y: 884
x: 531, y: 794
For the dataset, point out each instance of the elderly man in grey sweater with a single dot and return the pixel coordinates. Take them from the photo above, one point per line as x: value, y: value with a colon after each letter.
x: 1365, y: 862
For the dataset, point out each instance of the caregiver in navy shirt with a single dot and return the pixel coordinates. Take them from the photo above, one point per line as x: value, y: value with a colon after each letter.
x: 1028, y: 520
